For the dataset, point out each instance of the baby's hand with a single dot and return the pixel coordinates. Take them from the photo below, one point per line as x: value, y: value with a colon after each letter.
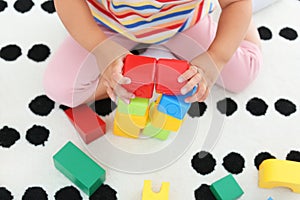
x: 113, y: 80
x: 203, y: 73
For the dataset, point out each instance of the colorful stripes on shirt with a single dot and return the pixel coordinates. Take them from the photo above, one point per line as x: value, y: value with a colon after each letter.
x: 149, y: 21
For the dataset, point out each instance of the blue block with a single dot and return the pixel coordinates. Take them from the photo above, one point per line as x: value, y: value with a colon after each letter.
x: 175, y: 106
x: 270, y: 198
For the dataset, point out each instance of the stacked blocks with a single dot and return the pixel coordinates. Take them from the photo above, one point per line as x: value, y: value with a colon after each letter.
x: 79, y: 168
x: 226, y: 189
x: 148, y: 194
x: 280, y: 173
x: 88, y: 124
x: 164, y: 115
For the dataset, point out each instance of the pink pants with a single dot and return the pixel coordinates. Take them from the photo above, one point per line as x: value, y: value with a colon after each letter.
x: 72, y: 75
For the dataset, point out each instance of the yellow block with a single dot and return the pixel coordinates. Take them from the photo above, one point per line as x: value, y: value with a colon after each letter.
x: 133, y: 133
x: 280, y: 173
x: 148, y: 194
x: 162, y: 120
x: 128, y: 120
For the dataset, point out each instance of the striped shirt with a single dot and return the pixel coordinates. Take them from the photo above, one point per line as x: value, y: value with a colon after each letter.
x: 149, y: 21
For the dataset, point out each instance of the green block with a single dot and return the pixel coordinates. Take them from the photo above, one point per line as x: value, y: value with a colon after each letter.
x: 226, y: 189
x: 152, y: 131
x: 137, y: 106
x: 79, y: 168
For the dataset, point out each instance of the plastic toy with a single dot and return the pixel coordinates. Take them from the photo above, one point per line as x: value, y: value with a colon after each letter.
x: 137, y: 106
x: 148, y: 194
x: 162, y: 120
x: 141, y: 71
x: 226, y: 188
x: 127, y: 121
x: 280, y: 173
x: 175, y: 106
x: 88, y: 124
x: 79, y: 168
x: 120, y: 132
x: 167, y: 73
x: 158, y: 133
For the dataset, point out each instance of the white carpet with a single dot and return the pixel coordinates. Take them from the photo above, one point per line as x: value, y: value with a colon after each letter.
x: 25, y: 165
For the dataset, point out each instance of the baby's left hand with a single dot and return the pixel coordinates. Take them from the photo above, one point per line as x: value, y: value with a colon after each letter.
x: 203, y: 73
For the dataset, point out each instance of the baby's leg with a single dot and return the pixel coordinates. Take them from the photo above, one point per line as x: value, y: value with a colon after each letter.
x: 72, y: 76
x: 241, y: 69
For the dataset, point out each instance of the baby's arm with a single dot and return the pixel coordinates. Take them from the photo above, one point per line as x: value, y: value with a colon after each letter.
x: 232, y: 28
x: 78, y: 20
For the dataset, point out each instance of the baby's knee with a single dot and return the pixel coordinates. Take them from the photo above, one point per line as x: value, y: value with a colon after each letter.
x: 242, y: 76
x: 58, y: 90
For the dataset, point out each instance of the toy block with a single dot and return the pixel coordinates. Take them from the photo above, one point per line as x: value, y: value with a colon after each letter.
x: 79, y: 168
x: 128, y: 121
x: 148, y: 193
x: 163, y: 121
x: 158, y: 133
x: 270, y: 198
x: 88, y: 124
x: 141, y: 71
x: 137, y: 106
x: 167, y: 73
x: 175, y: 106
x: 280, y: 173
x: 226, y: 188
x: 120, y: 132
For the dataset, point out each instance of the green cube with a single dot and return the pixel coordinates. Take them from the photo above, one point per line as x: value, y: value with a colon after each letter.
x: 79, y: 168
x: 226, y: 189
x: 158, y: 133
x: 137, y: 106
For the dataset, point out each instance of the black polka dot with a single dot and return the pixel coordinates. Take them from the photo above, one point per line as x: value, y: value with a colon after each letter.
x: 285, y: 107
x: 23, y: 6
x: 67, y: 193
x: 197, y: 109
x: 264, y: 33
x: 288, y: 33
x: 41, y: 105
x: 39, y: 52
x: 257, y: 107
x: 261, y: 157
x: 293, y: 156
x: 3, y: 5
x: 227, y: 106
x: 234, y: 163
x: 37, y: 135
x: 104, y: 107
x: 35, y: 193
x: 139, y: 49
x: 204, y: 193
x: 10, y: 52
x: 104, y: 192
x: 5, y: 194
x: 48, y: 6
x: 8, y: 136
x: 203, y: 162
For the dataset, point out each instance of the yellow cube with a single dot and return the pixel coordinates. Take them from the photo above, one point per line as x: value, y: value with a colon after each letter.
x: 128, y: 120
x: 133, y: 133
x: 162, y: 120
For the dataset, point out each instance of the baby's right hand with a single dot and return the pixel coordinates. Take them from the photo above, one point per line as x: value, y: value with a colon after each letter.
x: 113, y: 80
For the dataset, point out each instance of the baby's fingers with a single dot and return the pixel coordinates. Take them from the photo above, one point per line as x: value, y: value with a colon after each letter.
x: 199, y: 94
x: 187, y: 74
x: 123, y: 94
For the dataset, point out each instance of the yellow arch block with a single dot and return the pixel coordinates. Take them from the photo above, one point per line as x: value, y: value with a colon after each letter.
x: 280, y: 173
x: 148, y: 194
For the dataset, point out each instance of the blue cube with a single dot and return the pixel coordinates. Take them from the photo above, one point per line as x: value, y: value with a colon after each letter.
x: 175, y: 106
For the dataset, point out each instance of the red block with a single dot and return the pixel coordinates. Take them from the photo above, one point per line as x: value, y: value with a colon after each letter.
x: 141, y: 71
x: 89, y: 125
x: 167, y: 73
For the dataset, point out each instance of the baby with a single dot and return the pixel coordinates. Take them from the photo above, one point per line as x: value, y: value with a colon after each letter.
x: 88, y: 65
